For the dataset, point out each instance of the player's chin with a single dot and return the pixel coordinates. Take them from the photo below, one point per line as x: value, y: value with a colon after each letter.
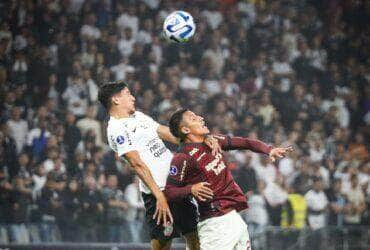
x: 205, y: 130
x: 132, y: 110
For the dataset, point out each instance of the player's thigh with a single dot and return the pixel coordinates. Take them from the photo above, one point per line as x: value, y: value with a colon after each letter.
x: 192, y: 241
x: 160, y: 244
x: 156, y: 232
x: 244, y: 242
x: 218, y: 233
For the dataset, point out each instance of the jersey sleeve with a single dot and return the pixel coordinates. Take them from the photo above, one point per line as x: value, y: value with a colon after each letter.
x: 121, y: 142
x: 232, y: 143
x: 150, y: 121
x: 177, y: 186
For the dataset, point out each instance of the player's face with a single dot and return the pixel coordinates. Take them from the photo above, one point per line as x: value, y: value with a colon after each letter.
x: 194, y: 124
x: 125, y: 100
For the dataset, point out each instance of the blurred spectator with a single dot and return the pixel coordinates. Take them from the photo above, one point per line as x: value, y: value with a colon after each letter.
x: 265, y: 170
x: 294, y: 211
x: 88, y: 30
x: 276, y: 196
x: 18, y: 128
x: 71, y: 199
x: 8, y: 152
x: 21, y: 196
x: 317, y: 204
x: 337, y: 204
x: 37, y: 138
x: 134, y: 214
x: 50, y: 204
x: 76, y: 96
x: 39, y: 178
x: 90, y: 123
x: 245, y: 175
x: 72, y: 135
x: 92, y: 211
x: 115, y: 207
x: 53, y: 161
x: 257, y: 216
x: 302, y: 182
x: 356, y: 203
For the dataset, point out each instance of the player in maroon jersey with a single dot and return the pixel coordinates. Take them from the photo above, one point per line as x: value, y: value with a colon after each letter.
x: 220, y: 226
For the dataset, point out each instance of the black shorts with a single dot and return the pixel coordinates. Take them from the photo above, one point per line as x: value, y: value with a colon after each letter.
x: 185, y: 216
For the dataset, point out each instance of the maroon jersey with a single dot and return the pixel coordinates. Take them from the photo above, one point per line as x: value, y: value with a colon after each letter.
x: 194, y: 163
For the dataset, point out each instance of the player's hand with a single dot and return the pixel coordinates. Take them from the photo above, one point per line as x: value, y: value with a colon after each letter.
x: 213, y: 144
x: 162, y: 211
x: 277, y: 153
x: 201, y: 191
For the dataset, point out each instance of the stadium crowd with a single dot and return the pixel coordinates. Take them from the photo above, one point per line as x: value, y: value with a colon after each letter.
x: 287, y: 72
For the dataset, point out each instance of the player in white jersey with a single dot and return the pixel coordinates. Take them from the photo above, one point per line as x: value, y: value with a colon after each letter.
x: 138, y: 138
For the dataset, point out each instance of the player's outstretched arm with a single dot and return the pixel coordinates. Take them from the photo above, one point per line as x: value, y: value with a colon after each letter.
x: 165, y: 134
x: 277, y: 153
x: 142, y: 170
x: 257, y: 146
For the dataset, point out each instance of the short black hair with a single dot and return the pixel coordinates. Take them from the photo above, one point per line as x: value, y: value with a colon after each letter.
x: 107, y: 90
x: 174, y: 123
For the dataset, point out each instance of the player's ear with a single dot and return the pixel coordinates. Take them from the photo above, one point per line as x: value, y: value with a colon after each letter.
x: 185, y: 130
x: 115, y: 99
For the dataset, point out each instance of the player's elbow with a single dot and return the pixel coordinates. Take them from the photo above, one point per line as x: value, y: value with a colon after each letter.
x: 138, y: 165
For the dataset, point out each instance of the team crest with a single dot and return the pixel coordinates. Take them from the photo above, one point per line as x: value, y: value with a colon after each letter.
x: 120, y: 139
x: 173, y: 170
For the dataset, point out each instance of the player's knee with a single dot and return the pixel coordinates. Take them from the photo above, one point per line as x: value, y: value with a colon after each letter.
x: 192, y: 241
x: 160, y: 244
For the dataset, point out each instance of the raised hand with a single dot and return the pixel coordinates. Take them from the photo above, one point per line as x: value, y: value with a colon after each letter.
x: 213, y: 144
x: 277, y: 153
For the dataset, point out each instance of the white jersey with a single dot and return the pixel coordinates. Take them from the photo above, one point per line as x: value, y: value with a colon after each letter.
x: 139, y: 133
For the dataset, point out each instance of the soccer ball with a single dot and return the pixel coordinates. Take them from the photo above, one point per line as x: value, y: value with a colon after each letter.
x: 179, y: 26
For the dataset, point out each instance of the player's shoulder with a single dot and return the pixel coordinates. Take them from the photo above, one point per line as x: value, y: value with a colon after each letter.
x: 140, y: 115
x: 115, y: 124
x: 193, y: 149
x: 180, y: 157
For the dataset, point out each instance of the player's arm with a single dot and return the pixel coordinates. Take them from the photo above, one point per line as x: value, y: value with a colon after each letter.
x: 142, y: 170
x: 165, y: 134
x: 178, y: 186
x: 200, y: 191
x: 257, y: 146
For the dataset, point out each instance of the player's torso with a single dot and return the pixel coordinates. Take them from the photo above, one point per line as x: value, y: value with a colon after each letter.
x: 151, y: 149
x: 213, y: 169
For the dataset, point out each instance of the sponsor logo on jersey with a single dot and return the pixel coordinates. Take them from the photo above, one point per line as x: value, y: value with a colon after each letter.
x: 156, y: 147
x: 120, y: 139
x: 183, y: 171
x: 201, y: 156
x: 217, y: 165
x: 193, y: 151
x: 173, y: 170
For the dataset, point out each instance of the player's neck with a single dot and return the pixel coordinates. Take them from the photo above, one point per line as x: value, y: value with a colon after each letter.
x: 194, y: 138
x: 118, y: 113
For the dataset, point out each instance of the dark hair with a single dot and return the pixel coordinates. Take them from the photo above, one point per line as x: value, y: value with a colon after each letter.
x: 107, y: 90
x: 175, y: 121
